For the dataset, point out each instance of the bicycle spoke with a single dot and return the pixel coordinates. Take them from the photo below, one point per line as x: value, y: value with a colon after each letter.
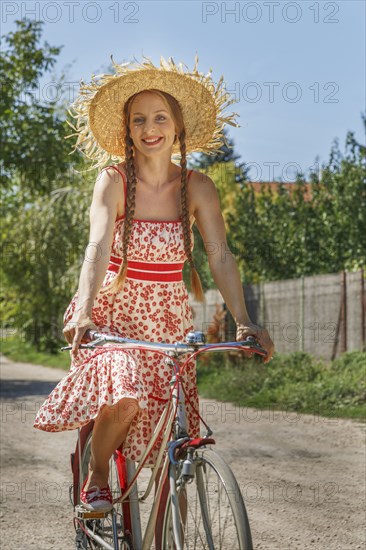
x: 214, y: 517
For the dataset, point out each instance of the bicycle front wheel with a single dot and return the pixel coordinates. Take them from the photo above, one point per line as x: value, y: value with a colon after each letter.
x: 209, y: 511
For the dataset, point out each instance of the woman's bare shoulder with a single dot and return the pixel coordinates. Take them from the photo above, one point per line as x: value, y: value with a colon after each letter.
x: 201, y: 181
x: 114, y: 174
x: 202, y: 194
x: 118, y: 170
x: 201, y: 188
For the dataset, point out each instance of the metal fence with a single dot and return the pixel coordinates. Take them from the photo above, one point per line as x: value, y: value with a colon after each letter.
x: 323, y: 315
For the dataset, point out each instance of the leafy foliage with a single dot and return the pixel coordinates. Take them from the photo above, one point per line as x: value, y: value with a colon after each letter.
x: 32, y: 131
x: 282, y: 235
x: 293, y: 382
x: 225, y: 154
x: 42, y: 258
x: 44, y: 206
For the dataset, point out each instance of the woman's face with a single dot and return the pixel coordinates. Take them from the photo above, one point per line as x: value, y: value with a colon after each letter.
x: 151, y: 124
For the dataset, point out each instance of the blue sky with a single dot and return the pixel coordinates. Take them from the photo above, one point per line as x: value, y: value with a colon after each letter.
x: 297, y: 68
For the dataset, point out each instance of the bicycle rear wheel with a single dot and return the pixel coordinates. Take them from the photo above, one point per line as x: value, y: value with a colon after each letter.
x: 105, y: 529
x: 209, y: 512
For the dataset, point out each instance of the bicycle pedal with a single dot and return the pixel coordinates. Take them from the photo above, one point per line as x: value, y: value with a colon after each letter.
x: 82, y: 513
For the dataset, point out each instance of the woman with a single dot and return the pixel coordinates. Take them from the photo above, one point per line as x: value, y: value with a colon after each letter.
x: 131, y: 283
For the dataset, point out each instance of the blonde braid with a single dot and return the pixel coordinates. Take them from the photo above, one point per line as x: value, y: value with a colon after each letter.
x: 195, y: 279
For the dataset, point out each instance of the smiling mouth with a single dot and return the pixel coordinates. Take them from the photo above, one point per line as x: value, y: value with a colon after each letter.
x: 152, y: 141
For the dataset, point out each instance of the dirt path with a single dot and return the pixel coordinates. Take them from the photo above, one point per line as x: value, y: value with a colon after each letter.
x: 302, y: 476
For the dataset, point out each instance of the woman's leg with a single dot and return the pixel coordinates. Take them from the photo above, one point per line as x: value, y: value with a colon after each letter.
x: 109, y: 431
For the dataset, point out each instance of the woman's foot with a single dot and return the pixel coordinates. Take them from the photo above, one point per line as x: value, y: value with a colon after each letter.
x: 95, y: 478
x: 96, y: 498
x: 95, y: 493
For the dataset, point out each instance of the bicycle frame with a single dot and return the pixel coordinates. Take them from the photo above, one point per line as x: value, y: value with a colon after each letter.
x: 172, y: 423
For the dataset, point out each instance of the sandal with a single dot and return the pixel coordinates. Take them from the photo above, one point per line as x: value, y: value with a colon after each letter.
x: 96, y: 499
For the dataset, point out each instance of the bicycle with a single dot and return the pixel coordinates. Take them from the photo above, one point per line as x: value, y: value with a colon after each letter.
x: 197, y: 503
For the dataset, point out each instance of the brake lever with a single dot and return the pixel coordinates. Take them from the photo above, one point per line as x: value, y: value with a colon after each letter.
x: 83, y: 346
x: 254, y: 344
x: 90, y: 345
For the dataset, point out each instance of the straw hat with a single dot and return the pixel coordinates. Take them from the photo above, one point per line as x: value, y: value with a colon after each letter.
x: 98, y: 109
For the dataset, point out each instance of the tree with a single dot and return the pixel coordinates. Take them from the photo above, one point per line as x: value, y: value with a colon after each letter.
x: 225, y: 154
x: 42, y: 257
x: 45, y: 203
x: 33, y: 149
x: 281, y: 235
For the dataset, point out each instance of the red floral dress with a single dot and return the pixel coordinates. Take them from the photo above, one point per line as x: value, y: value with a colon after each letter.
x: 147, y: 310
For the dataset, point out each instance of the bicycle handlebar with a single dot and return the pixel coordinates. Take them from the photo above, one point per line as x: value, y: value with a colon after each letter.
x: 193, y: 344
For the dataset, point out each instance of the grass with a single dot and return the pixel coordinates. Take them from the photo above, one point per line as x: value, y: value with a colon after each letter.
x: 294, y: 382
x: 18, y: 350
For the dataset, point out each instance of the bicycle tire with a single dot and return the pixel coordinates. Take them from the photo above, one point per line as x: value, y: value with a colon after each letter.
x: 213, y: 506
x: 104, y: 527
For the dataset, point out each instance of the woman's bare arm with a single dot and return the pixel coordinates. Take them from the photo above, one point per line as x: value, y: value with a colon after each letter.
x: 102, y: 215
x: 224, y: 269
x: 223, y: 266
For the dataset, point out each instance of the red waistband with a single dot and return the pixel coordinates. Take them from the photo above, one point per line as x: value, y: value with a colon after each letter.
x: 146, y: 271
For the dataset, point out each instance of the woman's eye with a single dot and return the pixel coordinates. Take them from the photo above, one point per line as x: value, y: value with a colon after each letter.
x: 138, y: 120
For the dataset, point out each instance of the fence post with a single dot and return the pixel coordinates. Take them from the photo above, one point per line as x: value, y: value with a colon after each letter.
x: 302, y: 312
x: 363, y: 307
x: 344, y: 311
x: 262, y: 304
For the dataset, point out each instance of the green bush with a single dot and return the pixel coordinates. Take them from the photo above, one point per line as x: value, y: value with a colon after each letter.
x: 17, y: 349
x: 297, y: 382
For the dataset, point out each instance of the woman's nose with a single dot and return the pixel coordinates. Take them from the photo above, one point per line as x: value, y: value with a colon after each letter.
x: 148, y: 128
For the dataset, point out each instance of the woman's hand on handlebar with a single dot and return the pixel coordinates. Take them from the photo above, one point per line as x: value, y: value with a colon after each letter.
x: 260, y: 334
x: 75, y: 329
